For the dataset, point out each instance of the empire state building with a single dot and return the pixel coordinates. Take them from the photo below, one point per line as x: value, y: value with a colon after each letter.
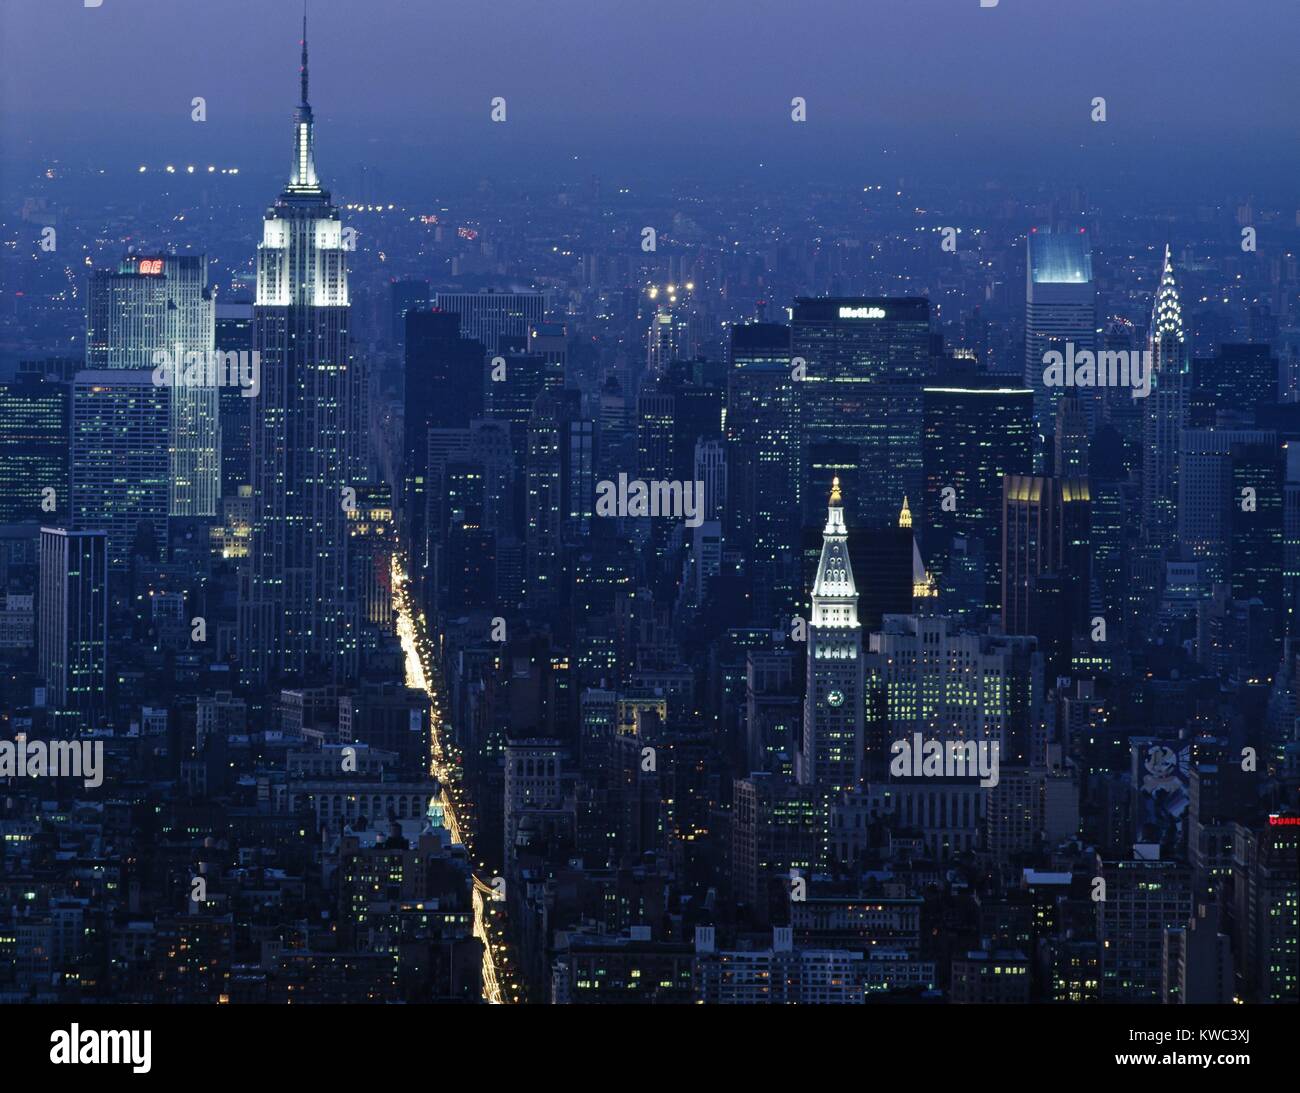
x: 297, y: 613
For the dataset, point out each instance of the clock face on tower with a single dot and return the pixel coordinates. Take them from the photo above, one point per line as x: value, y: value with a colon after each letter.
x: 835, y: 698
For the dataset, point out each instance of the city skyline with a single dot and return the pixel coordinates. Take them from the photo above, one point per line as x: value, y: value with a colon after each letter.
x: 476, y: 575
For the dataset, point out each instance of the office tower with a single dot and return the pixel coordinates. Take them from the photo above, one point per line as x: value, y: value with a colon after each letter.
x: 893, y: 574
x: 1266, y: 909
x: 534, y: 782
x: 833, y: 708
x: 772, y: 712
x: 711, y: 469
x: 1046, y: 562
x: 34, y: 424
x: 1072, y: 439
x: 73, y: 628
x: 763, y: 467
x: 1060, y: 308
x: 408, y: 295
x: 1255, y: 525
x: 443, y: 389
x: 561, y: 490
x: 1119, y: 409
x: 551, y: 341
x: 150, y: 306
x: 948, y: 685
x: 119, y: 466
x: 510, y: 398
x: 297, y: 613
x: 697, y: 414
x: 673, y: 332
x: 469, y: 514
x: 864, y: 362
x: 1198, y: 961
x: 1236, y: 380
x: 465, y: 553
x: 371, y: 549
x: 1165, y: 410
x: 655, y: 430
x: 1206, y: 499
x: 1143, y: 899
x: 776, y: 828
x: 1291, y: 536
x: 1045, y: 529
x: 657, y: 442
x: 516, y: 380
x: 487, y: 317
x: 974, y: 434
x: 234, y: 334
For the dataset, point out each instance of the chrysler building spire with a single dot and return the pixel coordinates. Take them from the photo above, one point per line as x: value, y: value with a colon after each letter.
x: 1167, y: 339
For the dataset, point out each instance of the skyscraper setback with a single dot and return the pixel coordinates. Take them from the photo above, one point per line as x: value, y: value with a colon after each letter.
x: 297, y: 614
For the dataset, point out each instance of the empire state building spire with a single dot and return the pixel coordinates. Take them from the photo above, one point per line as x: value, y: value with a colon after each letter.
x: 302, y: 178
x: 304, y: 56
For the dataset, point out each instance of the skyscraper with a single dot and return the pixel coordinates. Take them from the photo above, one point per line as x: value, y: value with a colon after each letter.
x: 833, y: 707
x: 1046, y: 564
x: 119, y: 466
x: 234, y: 334
x: 951, y: 685
x: 443, y: 389
x: 72, y: 635
x: 1205, y: 497
x: 864, y: 360
x: 1060, y: 307
x: 164, y: 304
x: 297, y: 613
x: 490, y: 316
x: 408, y: 295
x: 974, y: 433
x: 762, y: 432
x: 560, y: 489
x: 1166, y: 411
x: 34, y: 420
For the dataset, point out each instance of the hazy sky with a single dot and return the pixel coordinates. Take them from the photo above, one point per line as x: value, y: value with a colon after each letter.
x: 700, y: 76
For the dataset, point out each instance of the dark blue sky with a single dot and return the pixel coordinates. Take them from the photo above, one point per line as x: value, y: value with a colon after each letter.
x: 686, y: 78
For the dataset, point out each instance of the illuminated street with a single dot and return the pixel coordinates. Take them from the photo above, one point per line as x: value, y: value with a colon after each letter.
x: 457, y: 809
